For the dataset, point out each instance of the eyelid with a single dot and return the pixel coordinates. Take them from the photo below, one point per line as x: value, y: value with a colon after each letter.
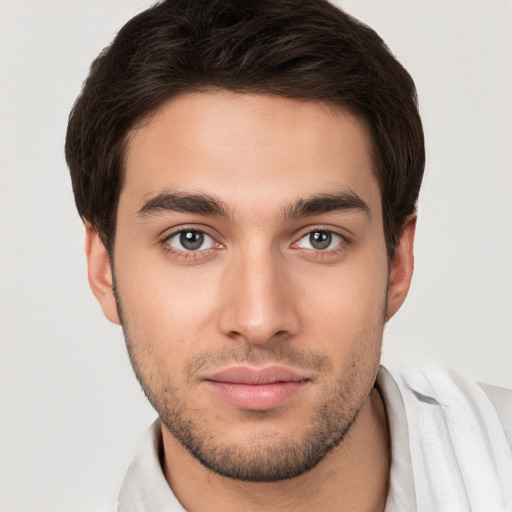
x: 322, y: 227
x: 325, y: 255
x: 189, y: 254
x: 200, y: 228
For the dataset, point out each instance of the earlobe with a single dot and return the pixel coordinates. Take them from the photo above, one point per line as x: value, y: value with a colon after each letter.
x: 100, y: 274
x: 402, y: 267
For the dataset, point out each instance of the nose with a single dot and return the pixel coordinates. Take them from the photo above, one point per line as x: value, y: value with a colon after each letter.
x: 257, y: 300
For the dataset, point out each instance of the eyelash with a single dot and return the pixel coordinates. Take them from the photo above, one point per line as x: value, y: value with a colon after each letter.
x: 325, y: 253
x: 190, y: 254
x: 202, y: 253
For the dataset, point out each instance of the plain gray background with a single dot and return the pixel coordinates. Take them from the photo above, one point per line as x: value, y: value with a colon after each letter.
x: 71, y: 410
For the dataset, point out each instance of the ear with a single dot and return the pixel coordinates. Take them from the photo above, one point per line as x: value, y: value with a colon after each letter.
x: 100, y: 274
x: 402, y: 266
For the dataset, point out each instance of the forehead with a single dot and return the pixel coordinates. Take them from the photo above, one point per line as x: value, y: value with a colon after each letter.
x: 248, y: 148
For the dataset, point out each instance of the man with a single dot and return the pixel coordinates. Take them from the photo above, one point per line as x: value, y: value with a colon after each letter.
x: 248, y: 173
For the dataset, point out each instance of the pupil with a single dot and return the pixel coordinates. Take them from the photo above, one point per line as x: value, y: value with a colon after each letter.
x: 191, y: 240
x: 320, y: 239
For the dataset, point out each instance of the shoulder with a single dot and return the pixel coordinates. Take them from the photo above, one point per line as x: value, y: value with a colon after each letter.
x: 501, y: 399
x: 459, y: 439
x: 458, y: 395
x: 435, y: 385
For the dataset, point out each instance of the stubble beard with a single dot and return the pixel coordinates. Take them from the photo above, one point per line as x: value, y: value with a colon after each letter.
x: 263, y: 457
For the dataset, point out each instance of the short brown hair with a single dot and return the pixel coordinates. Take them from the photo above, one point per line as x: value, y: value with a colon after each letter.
x: 304, y: 49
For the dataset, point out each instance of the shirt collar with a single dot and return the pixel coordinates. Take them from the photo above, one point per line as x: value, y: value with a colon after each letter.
x: 401, y: 495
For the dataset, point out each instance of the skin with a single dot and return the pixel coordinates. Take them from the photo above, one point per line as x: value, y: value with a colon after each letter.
x: 257, y: 294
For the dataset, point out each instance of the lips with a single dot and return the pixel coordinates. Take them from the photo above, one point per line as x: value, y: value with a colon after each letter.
x: 256, y: 388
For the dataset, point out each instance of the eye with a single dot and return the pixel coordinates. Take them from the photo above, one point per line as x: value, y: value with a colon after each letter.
x: 190, y: 240
x: 320, y: 240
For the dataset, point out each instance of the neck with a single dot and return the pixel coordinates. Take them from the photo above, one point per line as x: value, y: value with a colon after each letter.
x: 354, y: 475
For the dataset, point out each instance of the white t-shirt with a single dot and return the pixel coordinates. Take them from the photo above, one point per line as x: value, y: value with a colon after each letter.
x: 451, y: 448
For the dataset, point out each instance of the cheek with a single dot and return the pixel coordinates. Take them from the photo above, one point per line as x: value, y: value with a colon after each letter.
x: 344, y: 311
x: 351, y: 295
x: 166, y: 307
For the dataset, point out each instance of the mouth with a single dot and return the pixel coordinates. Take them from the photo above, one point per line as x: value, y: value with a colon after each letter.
x: 257, y: 389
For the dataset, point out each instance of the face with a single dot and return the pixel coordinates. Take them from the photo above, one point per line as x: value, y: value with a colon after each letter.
x: 251, y: 277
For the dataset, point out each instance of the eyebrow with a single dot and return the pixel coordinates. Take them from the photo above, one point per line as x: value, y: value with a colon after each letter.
x: 344, y: 200
x: 202, y: 204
